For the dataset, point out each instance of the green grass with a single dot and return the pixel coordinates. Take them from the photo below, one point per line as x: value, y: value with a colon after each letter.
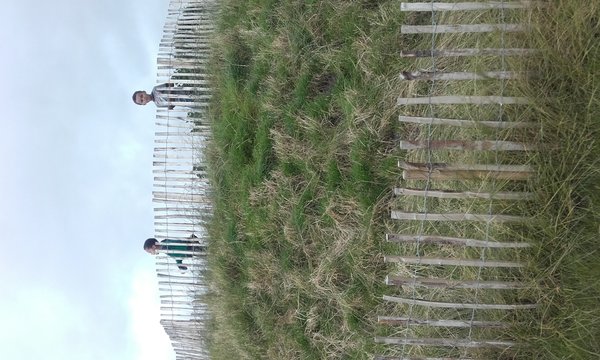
x: 304, y: 157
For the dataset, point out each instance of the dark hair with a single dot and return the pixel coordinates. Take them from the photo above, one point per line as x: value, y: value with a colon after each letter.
x: 134, y: 94
x: 149, y: 243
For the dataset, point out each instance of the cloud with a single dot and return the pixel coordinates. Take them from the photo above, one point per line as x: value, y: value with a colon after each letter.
x: 57, y: 328
x: 143, y: 303
x: 76, y: 203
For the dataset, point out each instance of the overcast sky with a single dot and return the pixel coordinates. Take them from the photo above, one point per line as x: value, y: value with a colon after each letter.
x: 76, y: 183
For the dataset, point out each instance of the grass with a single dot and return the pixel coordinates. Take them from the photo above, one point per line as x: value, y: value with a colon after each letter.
x: 304, y: 157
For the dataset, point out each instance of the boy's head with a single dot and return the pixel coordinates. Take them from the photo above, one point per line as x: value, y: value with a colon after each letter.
x: 151, y: 246
x: 140, y: 97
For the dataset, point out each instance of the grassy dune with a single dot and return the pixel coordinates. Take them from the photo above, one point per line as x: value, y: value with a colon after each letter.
x: 304, y: 160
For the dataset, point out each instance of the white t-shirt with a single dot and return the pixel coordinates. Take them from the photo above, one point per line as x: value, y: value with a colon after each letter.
x: 161, y: 95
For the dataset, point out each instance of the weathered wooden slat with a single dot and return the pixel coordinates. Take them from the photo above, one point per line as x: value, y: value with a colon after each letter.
x: 460, y: 28
x: 176, y: 125
x: 192, y: 218
x: 464, y: 6
x: 186, y: 179
x: 174, y: 141
x: 183, y: 66
x: 192, y: 81
x: 400, y: 215
x: 174, y: 156
x: 169, y: 39
x: 172, y: 202
x: 180, y: 252
x: 180, y: 78
x: 200, y: 202
x: 395, y: 320
x: 458, y: 167
x: 169, y: 116
x: 180, y: 63
x: 198, y: 191
x: 461, y: 343
x: 178, y: 225
x: 459, y: 99
x: 164, y: 171
x: 183, y: 134
x: 449, y: 240
x: 183, y: 208
x: 471, y: 306
x: 206, y: 29
x: 467, y: 52
x: 188, y: 42
x: 188, y: 30
x: 196, y: 141
x: 170, y: 76
x: 175, y: 209
x: 419, y: 260
x: 174, y: 296
x: 179, y: 237
x: 177, y: 48
x: 443, y: 171
x: 181, y: 277
x: 168, y: 163
x: 442, y: 174
x: 200, y: 198
x: 446, y: 194
x: 412, y: 282
x: 197, y: 228
x: 160, y: 233
x: 477, y: 145
x: 190, y: 105
x: 461, y: 76
x: 467, y: 123
x: 178, y: 216
x: 184, y: 148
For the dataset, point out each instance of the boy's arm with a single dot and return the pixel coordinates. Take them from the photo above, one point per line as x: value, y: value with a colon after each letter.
x: 180, y: 264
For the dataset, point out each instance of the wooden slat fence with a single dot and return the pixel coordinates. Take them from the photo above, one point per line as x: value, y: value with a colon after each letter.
x: 460, y: 304
x: 181, y: 186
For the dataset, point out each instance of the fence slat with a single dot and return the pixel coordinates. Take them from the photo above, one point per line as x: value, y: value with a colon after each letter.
x: 460, y: 28
x: 431, y: 283
x: 458, y: 99
x: 462, y: 76
x: 463, y: 343
x: 443, y: 171
x: 467, y: 123
x: 447, y: 194
x: 441, y: 174
x: 467, y: 52
x: 471, y: 306
x: 398, y: 320
x: 449, y: 240
x: 419, y: 260
x: 464, y: 6
x: 458, y: 167
x: 477, y: 145
x: 400, y: 215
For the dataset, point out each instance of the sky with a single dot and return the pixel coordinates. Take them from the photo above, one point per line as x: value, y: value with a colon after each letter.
x: 76, y: 183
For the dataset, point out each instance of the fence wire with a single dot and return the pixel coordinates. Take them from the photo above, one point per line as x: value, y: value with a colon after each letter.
x: 407, y: 348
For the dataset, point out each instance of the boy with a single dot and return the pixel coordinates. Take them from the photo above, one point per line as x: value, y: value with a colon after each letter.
x: 175, y: 248
x: 162, y: 95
